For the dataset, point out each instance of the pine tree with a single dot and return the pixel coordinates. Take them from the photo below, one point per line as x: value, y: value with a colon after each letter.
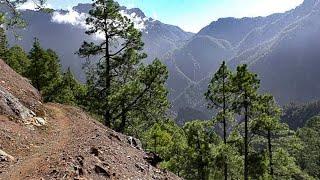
x: 201, y: 141
x: 36, y: 56
x: 3, y: 43
x: 219, y: 95
x: 44, y: 69
x: 245, y: 85
x: 106, y: 19
x: 308, y: 157
x: 17, y: 59
x: 75, y: 89
x: 266, y: 122
x: 144, y: 97
x: 53, y: 65
x: 67, y: 91
x: 119, y: 81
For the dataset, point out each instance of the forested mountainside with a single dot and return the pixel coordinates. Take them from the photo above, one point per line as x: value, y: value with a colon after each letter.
x: 265, y: 43
x: 296, y: 115
x: 63, y: 31
x: 281, y: 49
x: 50, y: 123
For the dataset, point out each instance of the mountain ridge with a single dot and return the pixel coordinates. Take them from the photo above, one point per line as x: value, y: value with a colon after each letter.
x: 255, y: 52
x: 66, y: 33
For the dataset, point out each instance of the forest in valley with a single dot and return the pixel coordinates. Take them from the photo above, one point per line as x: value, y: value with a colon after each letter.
x: 249, y: 136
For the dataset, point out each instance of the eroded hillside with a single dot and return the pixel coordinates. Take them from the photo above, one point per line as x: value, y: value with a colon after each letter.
x: 52, y: 141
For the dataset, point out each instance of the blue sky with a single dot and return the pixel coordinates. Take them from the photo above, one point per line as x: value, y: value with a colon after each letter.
x: 192, y: 15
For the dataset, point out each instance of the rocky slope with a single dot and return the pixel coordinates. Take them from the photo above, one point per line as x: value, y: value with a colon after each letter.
x: 65, y: 144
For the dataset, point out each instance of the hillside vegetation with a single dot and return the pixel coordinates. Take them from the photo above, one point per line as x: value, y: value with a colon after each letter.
x: 119, y: 123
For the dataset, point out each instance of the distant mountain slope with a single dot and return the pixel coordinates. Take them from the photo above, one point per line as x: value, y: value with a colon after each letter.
x: 282, y: 48
x: 197, y: 56
x: 194, y: 61
x: 274, y: 24
x: 63, y: 31
x: 288, y: 64
x: 233, y: 29
x: 159, y: 38
x: 296, y: 115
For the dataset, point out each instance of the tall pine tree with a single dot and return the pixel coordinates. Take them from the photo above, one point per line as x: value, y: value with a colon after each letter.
x: 123, y: 86
x: 44, y: 69
x: 220, y: 97
x: 119, y: 35
x: 245, y: 89
x: 267, y: 121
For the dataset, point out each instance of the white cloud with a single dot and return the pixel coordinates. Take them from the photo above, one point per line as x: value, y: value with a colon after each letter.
x: 74, y: 18
x: 71, y: 17
x: 79, y: 19
x: 138, y: 21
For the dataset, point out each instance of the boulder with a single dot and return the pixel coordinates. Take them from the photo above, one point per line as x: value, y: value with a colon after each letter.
x: 153, y: 158
x: 5, y: 157
x: 134, y: 142
x: 11, y: 106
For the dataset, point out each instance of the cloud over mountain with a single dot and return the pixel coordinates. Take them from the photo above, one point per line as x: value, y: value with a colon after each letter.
x: 70, y: 17
x: 64, y: 32
x: 139, y: 21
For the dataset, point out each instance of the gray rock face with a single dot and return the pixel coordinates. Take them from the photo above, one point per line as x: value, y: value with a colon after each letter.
x: 134, y: 142
x: 11, y: 106
x: 5, y: 156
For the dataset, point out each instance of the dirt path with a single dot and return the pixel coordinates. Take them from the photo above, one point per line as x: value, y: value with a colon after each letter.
x: 58, y: 137
x: 75, y: 146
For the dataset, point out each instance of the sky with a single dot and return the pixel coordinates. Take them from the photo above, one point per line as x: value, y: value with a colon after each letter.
x: 192, y: 15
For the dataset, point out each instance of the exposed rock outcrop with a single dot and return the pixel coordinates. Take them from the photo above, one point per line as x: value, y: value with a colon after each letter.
x: 5, y: 157
x: 21, y: 88
x: 16, y: 101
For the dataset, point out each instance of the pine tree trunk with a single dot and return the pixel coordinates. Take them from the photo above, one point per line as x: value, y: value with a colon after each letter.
x: 201, y: 166
x: 270, y: 154
x: 123, y: 120
x: 225, y: 142
x: 224, y: 128
x: 107, y: 115
x: 37, y: 83
x: 246, y: 145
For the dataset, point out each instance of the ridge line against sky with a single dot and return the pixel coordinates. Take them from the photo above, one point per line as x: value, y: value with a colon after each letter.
x: 193, y: 15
